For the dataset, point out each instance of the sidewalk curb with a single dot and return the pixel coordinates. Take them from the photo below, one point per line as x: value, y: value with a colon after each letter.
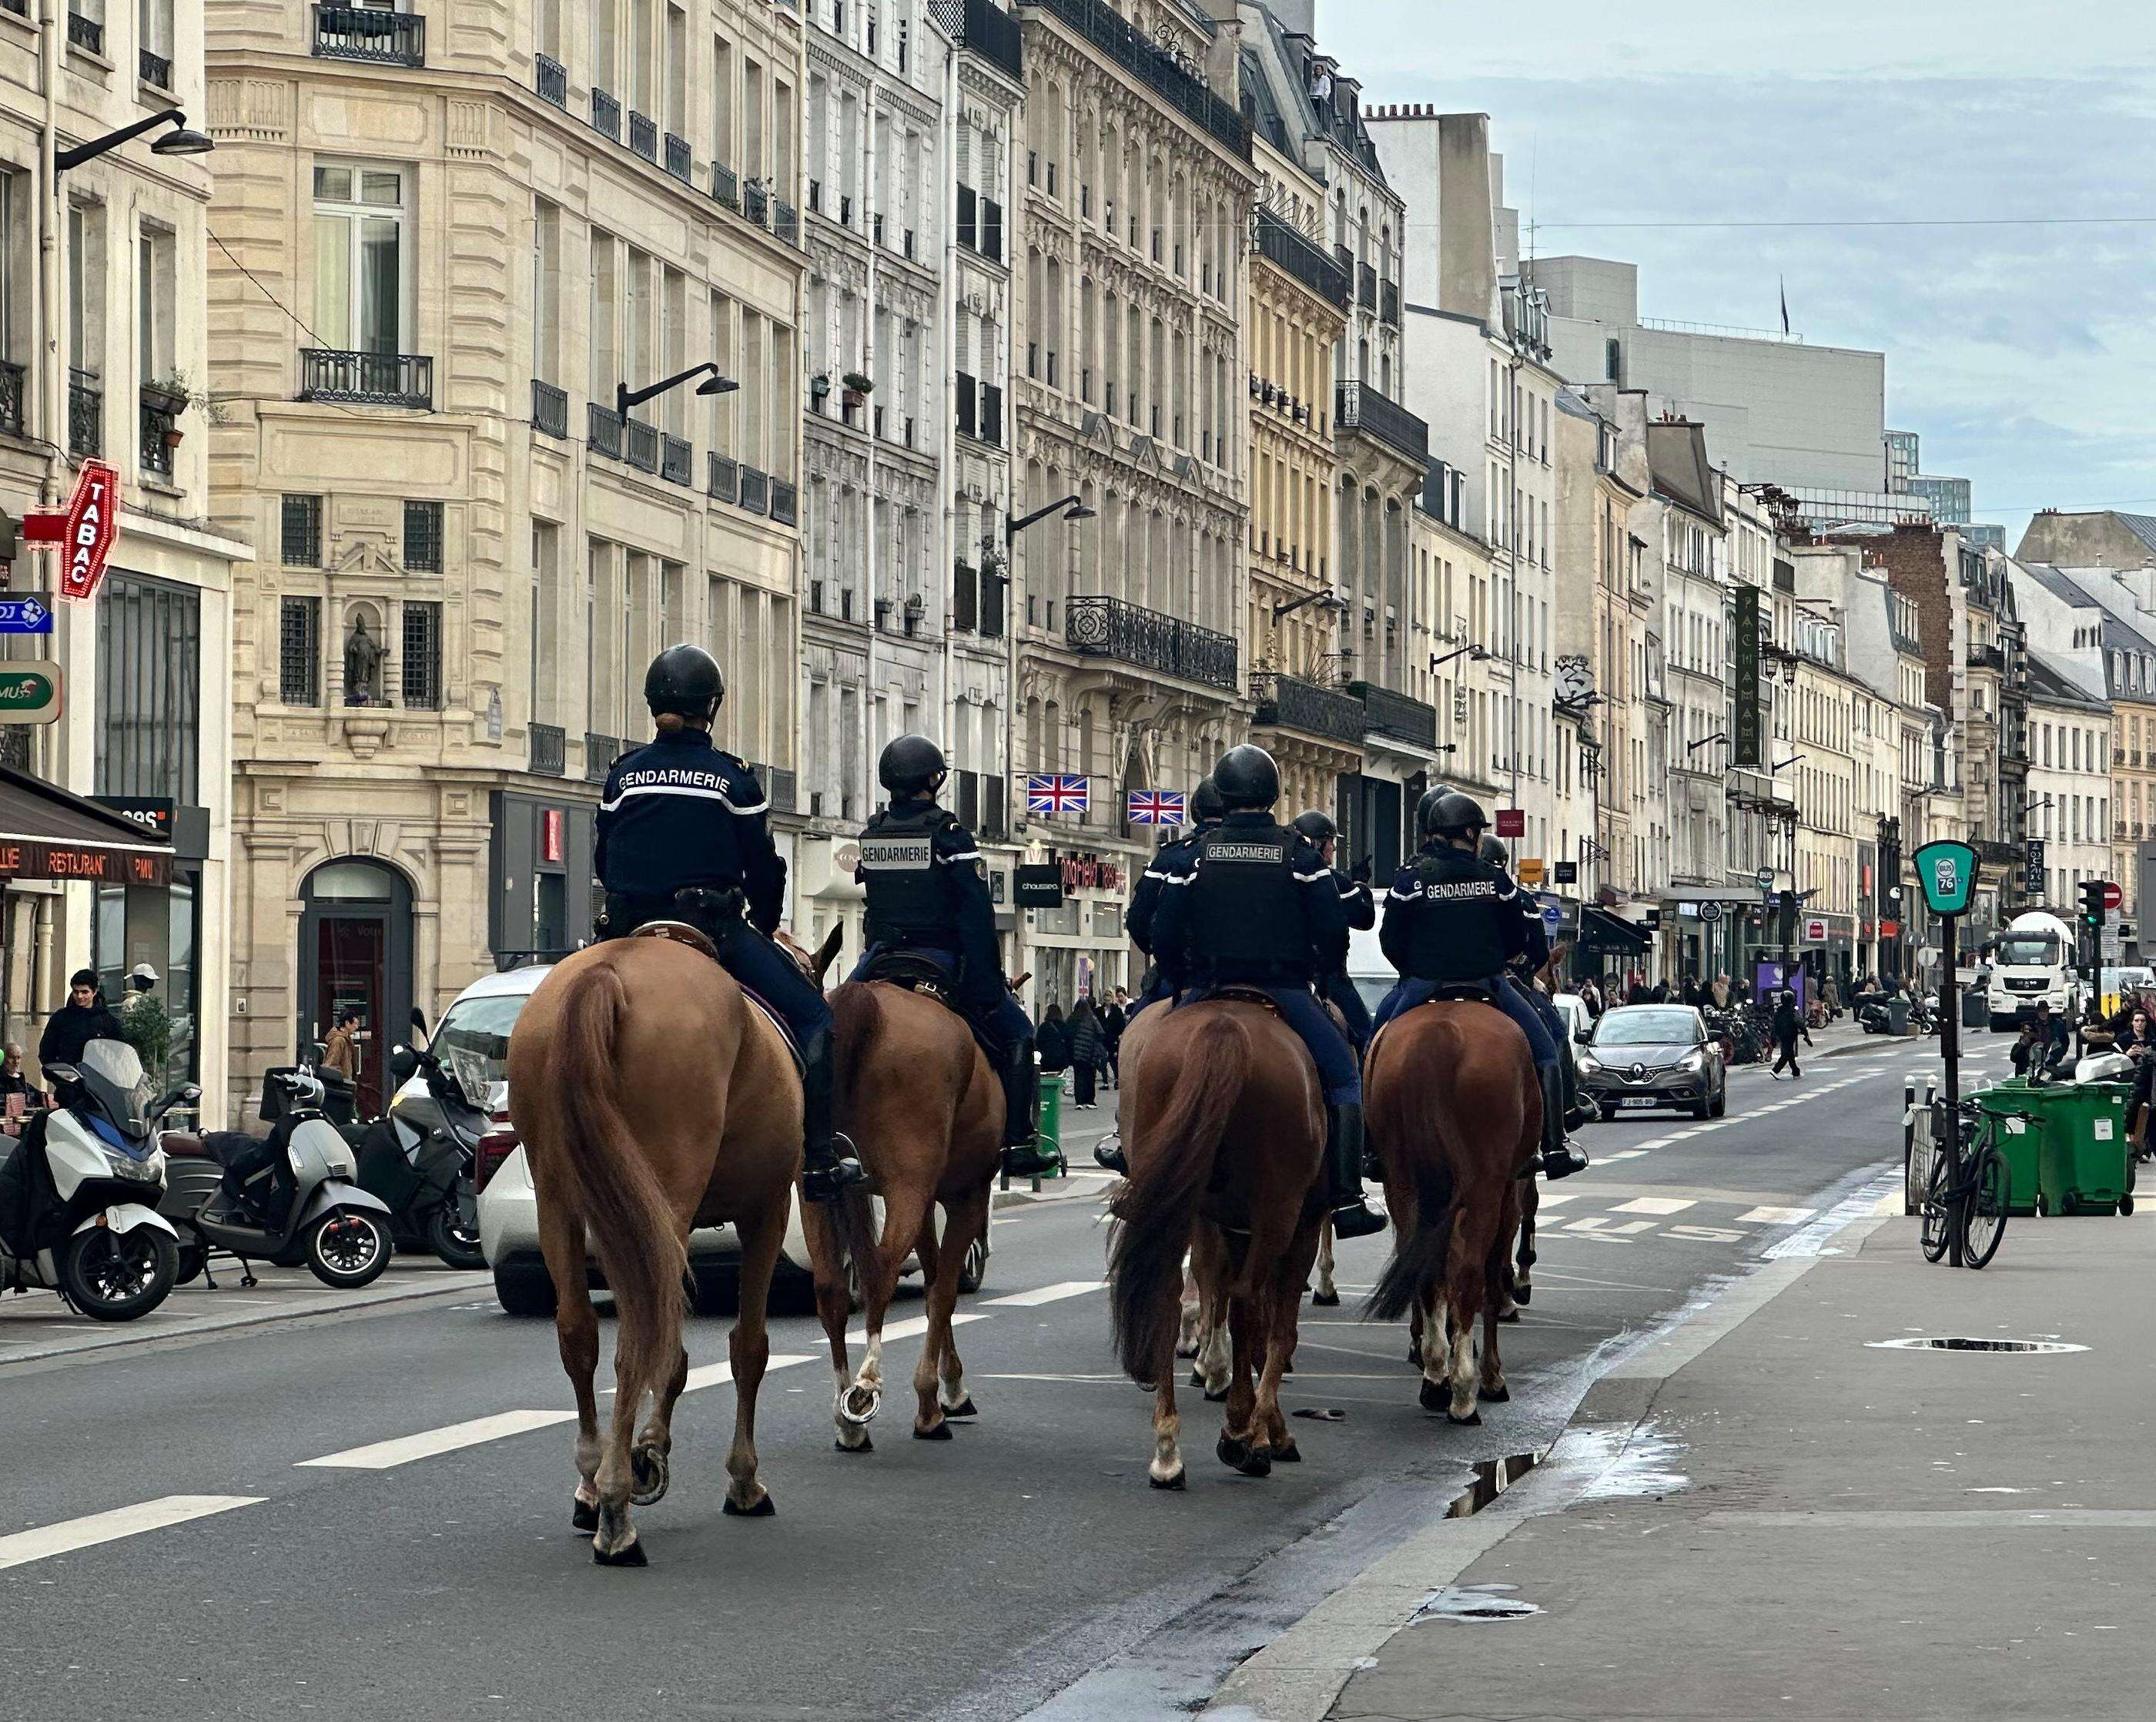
x: 1300, y: 1675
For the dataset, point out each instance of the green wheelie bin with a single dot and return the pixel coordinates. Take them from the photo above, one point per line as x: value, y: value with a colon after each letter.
x: 2018, y: 1116
x: 1050, y: 1131
x: 2085, y: 1164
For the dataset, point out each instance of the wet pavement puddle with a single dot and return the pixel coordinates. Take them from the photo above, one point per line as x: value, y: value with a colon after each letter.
x: 1472, y: 1602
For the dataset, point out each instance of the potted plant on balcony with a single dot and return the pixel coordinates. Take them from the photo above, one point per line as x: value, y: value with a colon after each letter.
x: 859, y: 386
x: 171, y: 396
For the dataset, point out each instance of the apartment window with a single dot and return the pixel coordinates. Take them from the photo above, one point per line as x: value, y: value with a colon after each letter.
x: 299, y: 651
x: 86, y: 274
x: 360, y: 287
x: 155, y: 292
x: 422, y: 661
x: 423, y: 537
x: 149, y: 688
x: 546, y: 622
x: 546, y: 290
x: 300, y: 537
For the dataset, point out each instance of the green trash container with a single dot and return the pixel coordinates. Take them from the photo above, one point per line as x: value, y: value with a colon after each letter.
x: 2085, y: 1164
x: 1049, y: 1132
x: 2018, y: 1118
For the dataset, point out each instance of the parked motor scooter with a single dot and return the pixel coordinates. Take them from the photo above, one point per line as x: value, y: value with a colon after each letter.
x: 300, y: 1202
x: 79, y: 1216
x: 419, y: 1157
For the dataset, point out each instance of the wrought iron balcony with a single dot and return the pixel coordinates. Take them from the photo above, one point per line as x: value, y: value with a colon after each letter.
x: 1992, y: 853
x: 1366, y: 284
x: 722, y: 477
x: 86, y: 33
x: 156, y: 69
x: 159, y: 421
x: 1290, y: 702
x: 1357, y: 406
x: 606, y: 114
x: 756, y: 201
x: 1109, y: 628
x: 1279, y: 243
x: 550, y: 409
x: 552, y: 79
x: 86, y: 414
x: 644, y: 135
x: 676, y: 460
x: 1122, y: 41
x: 602, y: 430
x: 995, y: 35
x: 378, y: 379
x: 677, y: 157
x: 755, y: 490
x: 389, y: 39
x: 725, y: 186
x: 11, y: 397
x: 1388, y: 304
x: 641, y: 445
x: 550, y: 750
x: 1388, y: 712
x: 786, y: 221
x: 600, y: 753
x: 785, y: 503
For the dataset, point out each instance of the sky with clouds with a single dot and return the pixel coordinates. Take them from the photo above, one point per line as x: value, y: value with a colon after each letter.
x: 2025, y: 355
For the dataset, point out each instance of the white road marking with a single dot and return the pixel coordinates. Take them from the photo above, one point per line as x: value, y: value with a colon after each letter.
x: 1703, y: 1235
x: 1655, y: 1204
x: 383, y: 1454
x: 1609, y: 1227
x: 70, y: 1534
x: 1626, y: 1153
x: 1554, y: 1197
x: 710, y: 1375
x: 907, y: 1329
x: 1045, y: 1294
x: 1777, y: 1216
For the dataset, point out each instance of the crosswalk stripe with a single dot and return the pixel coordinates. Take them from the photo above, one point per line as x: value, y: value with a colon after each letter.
x: 1045, y: 1294
x: 1626, y: 1153
x: 384, y: 1455
x: 907, y: 1329
x: 1655, y: 1204
x: 1776, y: 1217
x: 69, y: 1534
x: 1557, y: 1198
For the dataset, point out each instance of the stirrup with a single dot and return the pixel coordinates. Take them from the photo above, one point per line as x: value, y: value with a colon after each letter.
x: 1354, y: 1219
x: 1563, y: 1161
x: 827, y: 1184
x: 1025, y: 1160
x: 1108, y: 1152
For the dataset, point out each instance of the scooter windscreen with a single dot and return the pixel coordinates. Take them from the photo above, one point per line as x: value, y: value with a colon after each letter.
x: 113, y: 1079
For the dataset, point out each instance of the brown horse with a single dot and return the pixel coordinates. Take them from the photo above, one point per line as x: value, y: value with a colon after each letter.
x: 1454, y: 1110
x: 1221, y: 1073
x: 652, y: 1098
x: 925, y: 1111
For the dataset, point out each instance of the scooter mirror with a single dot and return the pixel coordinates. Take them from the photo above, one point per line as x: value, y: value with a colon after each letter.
x: 419, y: 1020
x: 190, y: 1093
x: 404, y: 1062
x: 62, y: 1074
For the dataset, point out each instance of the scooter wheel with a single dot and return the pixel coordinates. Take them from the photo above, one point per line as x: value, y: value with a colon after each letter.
x: 347, y: 1249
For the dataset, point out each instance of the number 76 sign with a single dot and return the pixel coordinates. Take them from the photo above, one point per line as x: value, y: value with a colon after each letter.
x: 1947, y: 872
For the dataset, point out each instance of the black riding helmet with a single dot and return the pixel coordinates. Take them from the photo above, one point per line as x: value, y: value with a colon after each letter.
x: 1430, y: 797
x: 1317, y: 827
x: 911, y: 765
x: 1494, y: 852
x: 1205, y: 803
x: 1247, y: 778
x: 685, y: 680
x: 1455, y: 815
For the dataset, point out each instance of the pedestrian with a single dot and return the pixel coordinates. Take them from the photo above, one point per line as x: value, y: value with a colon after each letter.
x: 1689, y: 993
x: 1660, y: 994
x: 1789, y: 1026
x: 1720, y: 992
x: 1051, y: 1042
x: 16, y: 1096
x: 85, y: 1017
x: 1089, y: 1051
x: 340, y: 1050
x: 1114, y: 1016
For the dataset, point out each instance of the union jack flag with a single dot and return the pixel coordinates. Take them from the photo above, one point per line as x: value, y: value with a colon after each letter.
x: 1055, y: 793
x: 1156, y: 807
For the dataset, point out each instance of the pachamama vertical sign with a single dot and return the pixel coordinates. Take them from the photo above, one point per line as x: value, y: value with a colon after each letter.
x: 1745, y: 749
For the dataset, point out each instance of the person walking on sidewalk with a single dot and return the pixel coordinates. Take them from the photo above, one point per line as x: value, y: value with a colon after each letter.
x: 1113, y: 1016
x: 1788, y: 1024
x: 1089, y: 1051
x: 1051, y: 1042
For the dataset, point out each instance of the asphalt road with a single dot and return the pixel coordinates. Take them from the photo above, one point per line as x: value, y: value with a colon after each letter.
x: 1023, y: 1567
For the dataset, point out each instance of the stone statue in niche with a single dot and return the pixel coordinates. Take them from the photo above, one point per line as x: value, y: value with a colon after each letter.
x: 362, y: 665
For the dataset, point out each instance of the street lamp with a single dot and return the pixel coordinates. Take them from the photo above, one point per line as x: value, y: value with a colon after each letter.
x: 183, y: 140
x: 1694, y: 746
x: 1473, y: 654
x: 1073, y: 507
x: 716, y: 383
x: 1325, y: 597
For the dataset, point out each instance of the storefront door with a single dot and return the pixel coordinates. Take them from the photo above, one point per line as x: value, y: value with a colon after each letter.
x: 355, y: 954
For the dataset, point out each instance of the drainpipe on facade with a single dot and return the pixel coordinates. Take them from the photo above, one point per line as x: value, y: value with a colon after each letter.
x: 871, y: 549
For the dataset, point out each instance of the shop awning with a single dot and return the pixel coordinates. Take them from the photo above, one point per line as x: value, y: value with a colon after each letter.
x: 47, y: 833
x: 1604, y: 934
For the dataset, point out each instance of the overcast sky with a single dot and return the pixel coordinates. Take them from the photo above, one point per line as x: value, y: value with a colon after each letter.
x: 2024, y: 356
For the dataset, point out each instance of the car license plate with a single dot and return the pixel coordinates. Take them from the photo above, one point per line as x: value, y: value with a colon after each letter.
x: 1639, y: 1100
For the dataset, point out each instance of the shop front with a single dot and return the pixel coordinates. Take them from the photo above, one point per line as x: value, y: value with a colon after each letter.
x: 1080, y: 944
x: 138, y: 925
x: 540, y: 902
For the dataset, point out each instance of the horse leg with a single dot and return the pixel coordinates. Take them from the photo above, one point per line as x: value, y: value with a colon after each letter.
x: 654, y: 1442
x: 833, y: 1300
x: 748, y: 1347
x: 1327, y: 1293
x: 1192, y: 1314
x: 1415, y: 1335
x: 1288, y: 1313
x: 1208, y: 1258
x: 1166, y: 1470
x: 1496, y: 1272
x: 904, y: 1208
x: 1434, y: 1346
x: 1467, y: 1272
x: 577, y: 1335
x: 963, y: 1224
x: 929, y: 1424
x: 1242, y: 1447
x: 1518, y: 1288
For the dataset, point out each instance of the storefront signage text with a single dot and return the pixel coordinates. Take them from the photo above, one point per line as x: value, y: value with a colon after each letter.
x: 27, y: 858
x: 1091, y: 873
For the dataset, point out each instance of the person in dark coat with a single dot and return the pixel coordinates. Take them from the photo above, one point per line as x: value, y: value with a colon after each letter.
x: 1114, y: 1016
x: 1089, y: 1051
x: 1051, y: 1041
x: 85, y: 1017
x: 1788, y: 1024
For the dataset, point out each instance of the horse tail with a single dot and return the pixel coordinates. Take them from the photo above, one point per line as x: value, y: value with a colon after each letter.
x: 856, y: 1021
x: 1155, y: 1207
x: 1418, y: 1258
x: 609, y: 1186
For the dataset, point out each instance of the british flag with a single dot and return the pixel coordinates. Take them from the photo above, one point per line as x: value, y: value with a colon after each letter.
x: 1057, y: 794
x: 1156, y: 807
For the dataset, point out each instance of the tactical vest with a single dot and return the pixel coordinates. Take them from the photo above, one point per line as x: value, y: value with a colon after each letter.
x: 908, y: 901
x: 1453, y: 932
x: 1247, y: 909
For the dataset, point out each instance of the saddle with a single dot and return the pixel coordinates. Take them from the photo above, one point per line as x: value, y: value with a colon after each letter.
x: 1462, y: 992
x: 917, y: 974
x: 681, y: 932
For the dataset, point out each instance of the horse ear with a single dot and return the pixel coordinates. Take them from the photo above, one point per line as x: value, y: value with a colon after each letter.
x: 827, y: 952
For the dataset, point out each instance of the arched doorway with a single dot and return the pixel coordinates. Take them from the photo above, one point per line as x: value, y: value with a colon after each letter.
x: 355, y: 953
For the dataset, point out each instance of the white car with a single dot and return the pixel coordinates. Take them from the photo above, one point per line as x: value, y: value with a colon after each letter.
x: 480, y: 1021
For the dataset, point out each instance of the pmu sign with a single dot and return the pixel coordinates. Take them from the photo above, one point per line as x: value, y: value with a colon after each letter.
x: 84, y: 533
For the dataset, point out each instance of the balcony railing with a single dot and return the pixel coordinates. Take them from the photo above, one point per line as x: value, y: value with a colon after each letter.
x: 722, y: 478
x: 606, y: 114
x: 1108, y: 30
x: 86, y: 414
x: 552, y: 79
x: 1359, y: 407
x: 1388, y: 307
x: 644, y: 135
x: 676, y: 460
x: 86, y: 33
x: 755, y: 490
x: 377, y: 379
x: 678, y: 162
x: 641, y: 445
x: 725, y: 186
x: 1387, y: 713
x: 1109, y: 628
x: 600, y: 753
x: 159, y: 417
x: 1289, y: 702
x: 550, y: 409
x: 11, y: 397
x: 995, y: 35
x: 786, y: 221
x: 550, y: 750
x: 1281, y: 245
x: 156, y: 69
x: 785, y: 503
x: 756, y: 201
x: 1366, y: 286
x: 389, y: 38
x: 602, y: 430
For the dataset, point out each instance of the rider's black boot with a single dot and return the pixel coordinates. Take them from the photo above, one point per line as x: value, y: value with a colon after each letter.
x: 828, y: 1167
x: 1578, y: 1108
x: 1351, y: 1216
x: 1560, y: 1158
x: 1024, y: 1156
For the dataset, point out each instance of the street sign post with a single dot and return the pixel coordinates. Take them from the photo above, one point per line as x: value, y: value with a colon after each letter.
x: 1765, y: 878
x: 1947, y: 873
x: 30, y: 613
x: 1710, y: 912
x: 1553, y: 917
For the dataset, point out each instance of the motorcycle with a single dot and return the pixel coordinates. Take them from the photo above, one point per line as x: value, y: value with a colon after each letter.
x: 86, y: 1179
x: 300, y: 1202
x: 1871, y: 1014
x: 419, y: 1157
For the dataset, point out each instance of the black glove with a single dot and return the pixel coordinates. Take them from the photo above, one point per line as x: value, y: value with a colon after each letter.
x: 1360, y: 873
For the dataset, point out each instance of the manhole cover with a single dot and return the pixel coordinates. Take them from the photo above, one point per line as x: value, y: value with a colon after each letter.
x: 1958, y: 1343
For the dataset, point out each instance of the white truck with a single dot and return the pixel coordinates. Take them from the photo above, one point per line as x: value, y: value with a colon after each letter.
x: 2033, y: 963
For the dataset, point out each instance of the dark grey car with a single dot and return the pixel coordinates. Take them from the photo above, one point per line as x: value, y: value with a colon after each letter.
x: 1653, y: 1057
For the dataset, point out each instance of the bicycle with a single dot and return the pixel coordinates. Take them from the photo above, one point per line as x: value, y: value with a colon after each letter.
x: 1965, y: 1207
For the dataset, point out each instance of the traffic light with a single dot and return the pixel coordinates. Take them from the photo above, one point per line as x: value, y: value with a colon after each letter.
x: 2093, y: 896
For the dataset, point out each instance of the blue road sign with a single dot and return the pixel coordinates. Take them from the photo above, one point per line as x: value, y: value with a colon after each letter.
x: 28, y: 614
x: 1553, y: 917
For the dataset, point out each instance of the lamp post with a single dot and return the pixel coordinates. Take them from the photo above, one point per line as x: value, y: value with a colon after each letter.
x: 715, y: 382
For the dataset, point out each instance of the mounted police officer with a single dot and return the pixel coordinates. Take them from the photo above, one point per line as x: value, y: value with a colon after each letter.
x: 1361, y: 912
x: 928, y: 897
x: 682, y: 837
x: 1530, y: 963
x: 1206, y: 811
x: 1452, y: 918
x: 1251, y: 903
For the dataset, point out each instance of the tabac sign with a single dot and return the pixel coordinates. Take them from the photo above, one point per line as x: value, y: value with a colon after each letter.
x: 85, y: 533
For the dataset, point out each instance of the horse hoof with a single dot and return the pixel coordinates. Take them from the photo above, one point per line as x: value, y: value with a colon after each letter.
x: 1175, y: 1483
x: 940, y: 1432
x: 1473, y: 1420
x: 865, y: 1445
x: 648, y: 1473
x: 583, y: 1516
x: 763, y: 1508
x: 1524, y: 1295
x: 858, y: 1405
x: 1231, y: 1452
x: 1509, y: 1316
x: 1288, y: 1368
x: 1213, y: 1398
x: 1414, y: 1357
x: 1289, y: 1454
x: 1499, y: 1395
x: 1184, y: 1350
x: 1435, y: 1397
x: 1325, y: 1300
x: 1197, y: 1376
x: 964, y: 1408
x: 633, y: 1555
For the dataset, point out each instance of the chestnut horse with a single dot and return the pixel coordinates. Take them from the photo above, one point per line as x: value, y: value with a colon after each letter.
x: 925, y: 1111
x: 1455, y: 1111
x: 651, y: 1097
x: 1227, y: 1139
